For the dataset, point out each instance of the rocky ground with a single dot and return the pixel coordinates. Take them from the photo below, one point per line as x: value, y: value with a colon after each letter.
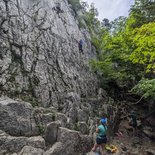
x: 25, y: 130
x: 131, y: 145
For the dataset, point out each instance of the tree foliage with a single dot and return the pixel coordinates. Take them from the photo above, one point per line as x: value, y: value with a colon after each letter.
x: 145, y: 88
x: 127, y: 50
x: 144, y: 50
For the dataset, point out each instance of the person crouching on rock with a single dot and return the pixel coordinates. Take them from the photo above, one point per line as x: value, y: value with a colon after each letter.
x: 101, y: 139
x: 133, y: 122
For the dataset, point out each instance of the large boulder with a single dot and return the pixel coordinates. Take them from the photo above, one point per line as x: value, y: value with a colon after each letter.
x: 57, y: 149
x: 29, y: 150
x: 62, y: 119
x: 10, y: 144
x: 51, y: 132
x: 83, y: 127
x: 16, y: 117
x: 73, y: 141
x: 148, y: 131
x: 150, y: 151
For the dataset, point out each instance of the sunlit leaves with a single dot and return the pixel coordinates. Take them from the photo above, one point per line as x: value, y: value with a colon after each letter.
x: 144, y: 52
x: 145, y: 88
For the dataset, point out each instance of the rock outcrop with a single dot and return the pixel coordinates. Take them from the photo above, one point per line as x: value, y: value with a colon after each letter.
x: 50, y: 87
x: 12, y: 144
x: 20, y: 137
x: 40, y: 61
x: 16, y: 118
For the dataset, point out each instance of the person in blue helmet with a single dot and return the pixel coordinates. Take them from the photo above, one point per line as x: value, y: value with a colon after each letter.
x: 101, y: 138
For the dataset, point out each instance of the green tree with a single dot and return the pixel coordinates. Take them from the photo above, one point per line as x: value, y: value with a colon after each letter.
x: 144, y: 47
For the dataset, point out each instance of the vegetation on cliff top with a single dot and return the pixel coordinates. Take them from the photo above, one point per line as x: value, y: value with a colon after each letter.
x: 125, y: 46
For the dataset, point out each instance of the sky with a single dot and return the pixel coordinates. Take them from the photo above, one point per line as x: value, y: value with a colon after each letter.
x: 112, y: 9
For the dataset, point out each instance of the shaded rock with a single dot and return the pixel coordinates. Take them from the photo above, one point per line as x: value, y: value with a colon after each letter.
x: 83, y: 127
x: 29, y: 150
x: 151, y: 121
x: 71, y: 101
x: 37, y: 142
x: 16, y: 117
x: 83, y: 115
x: 9, y: 144
x: 57, y: 149
x: 150, y: 151
x: 74, y: 142
x: 136, y: 141
x: 124, y: 148
x: 51, y: 132
x: 69, y: 138
x: 62, y: 119
x: 134, y: 152
x: 48, y: 118
x: 149, y: 132
x: 102, y: 96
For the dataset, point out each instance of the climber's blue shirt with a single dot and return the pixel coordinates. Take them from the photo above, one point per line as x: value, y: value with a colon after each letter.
x: 81, y: 42
x: 102, y: 130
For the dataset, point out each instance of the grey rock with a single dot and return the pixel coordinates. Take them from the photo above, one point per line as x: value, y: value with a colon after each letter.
x: 51, y: 132
x: 83, y: 128
x: 149, y: 132
x: 10, y: 144
x: 29, y: 150
x: 150, y: 151
x: 74, y: 142
x: 57, y: 149
x: 51, y: 65
x: 102, y: 96
x: 16, y: 117
x: 83, y: 115
x: 62, y: 119
x: 37, y: 142
x: 48, y: 118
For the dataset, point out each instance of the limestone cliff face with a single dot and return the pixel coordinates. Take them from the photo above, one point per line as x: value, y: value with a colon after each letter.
x: 39, y: 56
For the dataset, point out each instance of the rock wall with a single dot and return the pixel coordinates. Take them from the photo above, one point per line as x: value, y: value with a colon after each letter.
x: 39, y: 57
x: 40, y: 63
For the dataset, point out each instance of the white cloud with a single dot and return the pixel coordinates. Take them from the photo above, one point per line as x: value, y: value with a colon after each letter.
x: 112, y: 9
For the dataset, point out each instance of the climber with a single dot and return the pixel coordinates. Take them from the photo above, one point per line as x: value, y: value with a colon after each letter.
x: 133, y: 122
x: 81, y: 45
x: 101, y: 137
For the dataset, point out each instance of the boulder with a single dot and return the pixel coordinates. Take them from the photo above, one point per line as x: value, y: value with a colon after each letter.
x: 83, y: 115
x: 149, y: 132
x: 16, y: 117
x: 37, y: 142
x: 48, y: 118
x: 73, y: 141
x: 150, y: 151
x: 10, y: 144
x: 83, y: 127
x: 62, y: 119
x: 51, y: 132
x: 29, y: 150
x: 57, y: 149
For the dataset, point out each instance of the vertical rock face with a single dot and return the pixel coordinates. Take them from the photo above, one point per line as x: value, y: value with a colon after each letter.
x: 39, y: 56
